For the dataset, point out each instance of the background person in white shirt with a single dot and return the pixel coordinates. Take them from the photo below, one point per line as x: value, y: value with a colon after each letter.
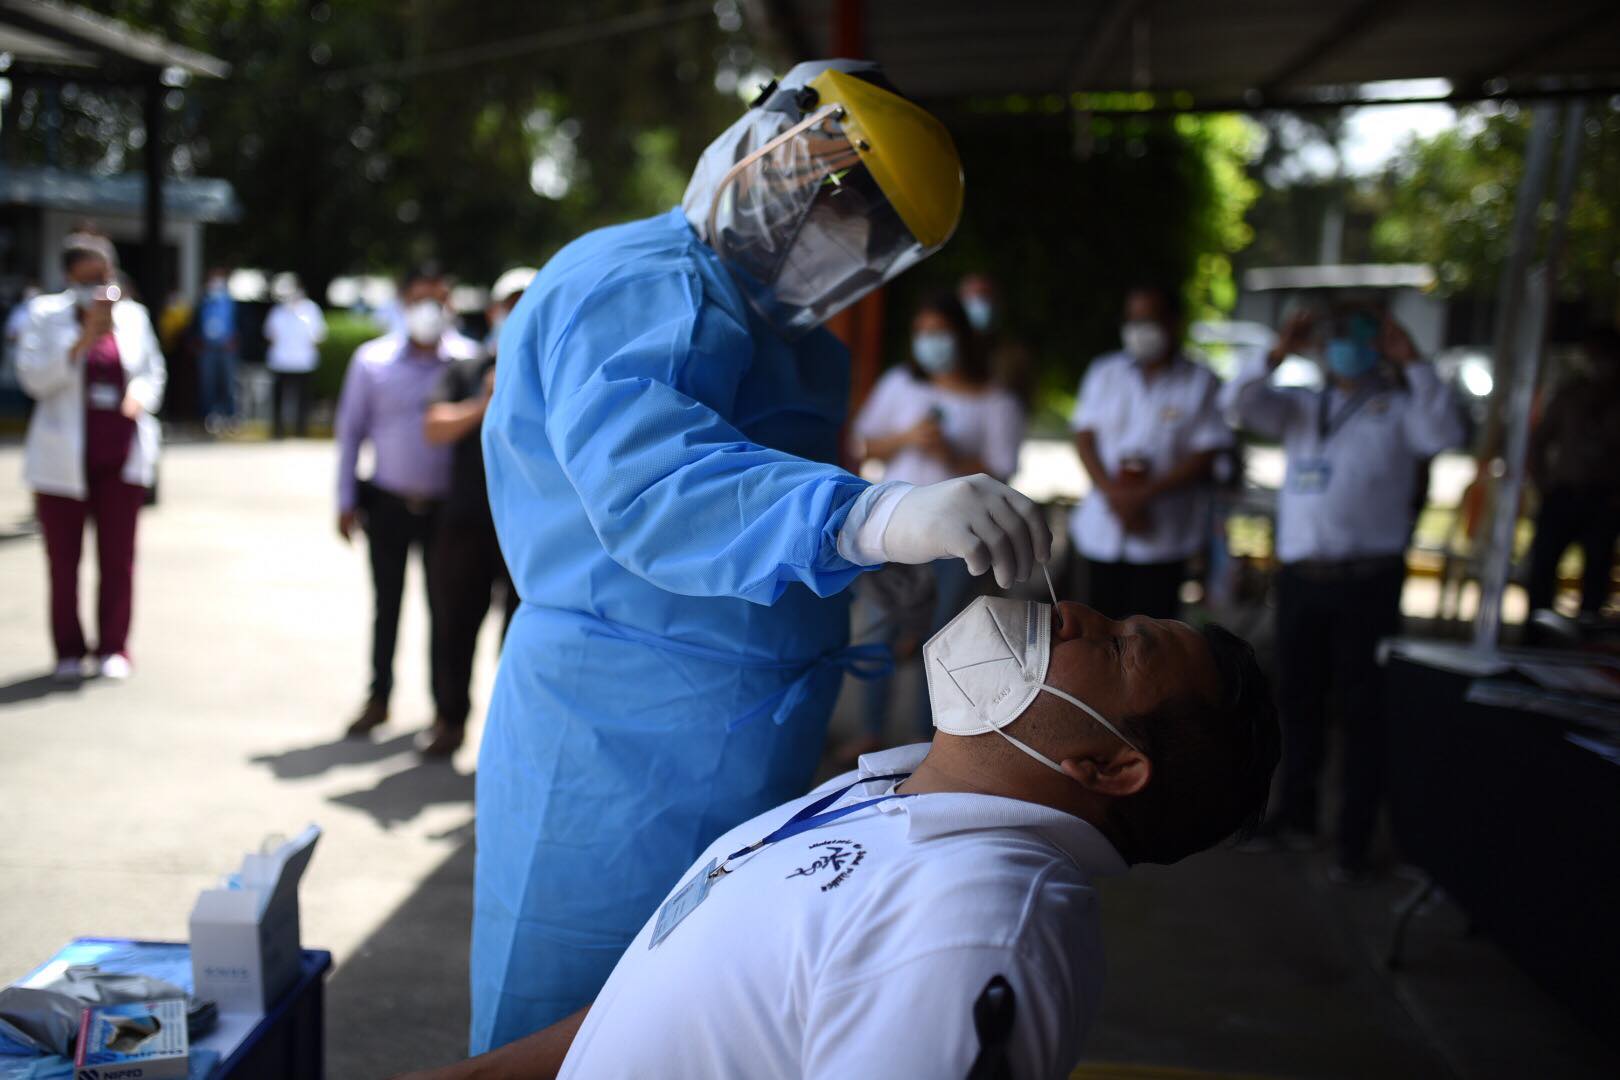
x: 294, y: 329
x: 934, y: 417
x: 1344, y: 518
x: 858, y: 947
x: 1147, y: 428
x: 1010, y: 361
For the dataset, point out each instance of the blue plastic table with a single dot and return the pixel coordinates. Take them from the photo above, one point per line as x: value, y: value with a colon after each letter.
x: 287, y: 1042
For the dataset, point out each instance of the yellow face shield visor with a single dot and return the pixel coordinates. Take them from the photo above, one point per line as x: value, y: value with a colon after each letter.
x: 864, y: 186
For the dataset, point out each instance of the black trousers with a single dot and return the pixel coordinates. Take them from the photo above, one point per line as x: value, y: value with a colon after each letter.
x: 1328, y: 627
x: 1573, y: 516
x: 290, y: 393
x: 393, y: 526
x: 468, y: 567
x: 1120, y: 589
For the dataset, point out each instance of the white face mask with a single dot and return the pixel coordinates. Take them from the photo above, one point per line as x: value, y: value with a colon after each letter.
x: 980, y: 312
x: 1145, y: 341
x: 986, y: 666
x: 425, y: 322
x: 934, y: 351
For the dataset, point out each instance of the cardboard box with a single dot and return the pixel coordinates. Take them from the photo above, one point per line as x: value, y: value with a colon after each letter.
x: 134, y: 1041
x: 244, y: 935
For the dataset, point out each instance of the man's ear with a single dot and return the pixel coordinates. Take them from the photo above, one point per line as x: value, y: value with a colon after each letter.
x: 1123, y: 773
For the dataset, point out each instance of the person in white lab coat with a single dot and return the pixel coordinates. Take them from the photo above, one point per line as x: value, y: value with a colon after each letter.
x: 1344, y: 518
x: 90, y: 360
x: 1147, y: 429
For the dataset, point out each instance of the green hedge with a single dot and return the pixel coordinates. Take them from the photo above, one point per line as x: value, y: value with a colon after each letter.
x: 344, y: 333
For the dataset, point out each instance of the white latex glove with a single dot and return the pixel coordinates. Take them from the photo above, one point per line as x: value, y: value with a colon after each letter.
x: 976, y: 519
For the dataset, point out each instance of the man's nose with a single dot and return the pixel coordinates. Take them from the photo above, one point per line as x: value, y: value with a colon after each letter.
x: 1075, y: 620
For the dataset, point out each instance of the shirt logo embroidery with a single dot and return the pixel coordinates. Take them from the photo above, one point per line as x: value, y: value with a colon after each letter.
x: 1169, y: 414
x: 839, y: 856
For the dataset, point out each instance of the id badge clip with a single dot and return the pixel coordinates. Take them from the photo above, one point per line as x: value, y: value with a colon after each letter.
x: 683, y: 903
x: 105, y: 396
x: 1311, y: 477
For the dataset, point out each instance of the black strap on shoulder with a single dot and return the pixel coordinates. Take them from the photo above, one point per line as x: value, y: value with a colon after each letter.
x: 993, y: 1015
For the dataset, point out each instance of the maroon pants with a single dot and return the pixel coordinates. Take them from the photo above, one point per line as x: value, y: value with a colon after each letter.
x: 113, y: 504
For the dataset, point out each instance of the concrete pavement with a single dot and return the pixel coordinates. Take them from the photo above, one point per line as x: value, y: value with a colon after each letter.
x: 119, y: 802
x: 250, y: 643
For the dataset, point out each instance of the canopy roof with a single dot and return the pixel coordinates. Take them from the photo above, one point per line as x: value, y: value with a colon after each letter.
x: 184, y: 199
x: 61, y: 36
x: 1218, y: 53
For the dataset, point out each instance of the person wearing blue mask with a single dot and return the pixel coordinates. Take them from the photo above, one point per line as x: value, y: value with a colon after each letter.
x: 935, y: 416
x: 216, y: 362
x: 659, y: 452
x: 1344, y: 518
x: 1010, y: 361
x: 977, y: 292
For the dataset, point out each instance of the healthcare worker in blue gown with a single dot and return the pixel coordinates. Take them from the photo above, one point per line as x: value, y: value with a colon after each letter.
x: 660, y: 452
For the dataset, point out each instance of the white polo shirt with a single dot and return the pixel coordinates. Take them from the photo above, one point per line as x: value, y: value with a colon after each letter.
x: 1353, y: 459
x: 988, y: 425
x: 857, y: 949
x: 1161, y: 420
x: 294, y: 330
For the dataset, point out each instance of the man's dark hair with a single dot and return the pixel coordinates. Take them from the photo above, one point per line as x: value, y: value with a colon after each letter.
x: 1175, y: 306
x: 971, y: 362
x: 1212, y: 762
x: 424, y: 271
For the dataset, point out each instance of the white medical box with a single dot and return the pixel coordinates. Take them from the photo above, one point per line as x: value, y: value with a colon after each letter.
x: 244, y: 935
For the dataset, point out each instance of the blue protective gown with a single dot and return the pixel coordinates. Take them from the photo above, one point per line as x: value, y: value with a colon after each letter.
x: 658, y: 465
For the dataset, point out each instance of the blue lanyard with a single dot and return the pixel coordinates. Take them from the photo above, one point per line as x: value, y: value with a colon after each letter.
x: 811, y: 817
x: 1327, y: 427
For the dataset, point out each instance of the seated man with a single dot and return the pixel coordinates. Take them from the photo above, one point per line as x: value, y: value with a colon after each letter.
x: 851, y: 932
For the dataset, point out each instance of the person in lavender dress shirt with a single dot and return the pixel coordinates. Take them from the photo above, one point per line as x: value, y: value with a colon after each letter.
x: 386, y: 391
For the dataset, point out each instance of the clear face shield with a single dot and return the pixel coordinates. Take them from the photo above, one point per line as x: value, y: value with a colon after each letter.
x: 805, y: 226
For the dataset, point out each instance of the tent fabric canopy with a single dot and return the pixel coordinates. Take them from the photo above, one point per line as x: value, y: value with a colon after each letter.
x: 184, y: 199
x: 36, y: 34
x: 1248, y: 52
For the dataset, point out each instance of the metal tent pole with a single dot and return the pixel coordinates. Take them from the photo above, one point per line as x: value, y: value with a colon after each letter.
x: 1521, y: 338
x: 150, y: 275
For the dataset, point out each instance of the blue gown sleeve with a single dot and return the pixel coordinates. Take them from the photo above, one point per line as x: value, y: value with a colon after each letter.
x: 637, y: 390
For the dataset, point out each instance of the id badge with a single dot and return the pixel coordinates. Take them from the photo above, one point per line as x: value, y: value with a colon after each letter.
x: 1310, y: 477
x: 105, y: 396
x: 683, y: 903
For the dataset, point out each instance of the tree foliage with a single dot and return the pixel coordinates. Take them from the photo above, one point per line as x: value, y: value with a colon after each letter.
x: 1067, y: 231
x: 1449, y: 201
x: 1302, y: 178
x: 367, y: 134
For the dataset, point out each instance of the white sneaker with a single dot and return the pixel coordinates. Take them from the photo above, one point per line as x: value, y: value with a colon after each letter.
x: 116, y: 666
x: 68, y: 671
